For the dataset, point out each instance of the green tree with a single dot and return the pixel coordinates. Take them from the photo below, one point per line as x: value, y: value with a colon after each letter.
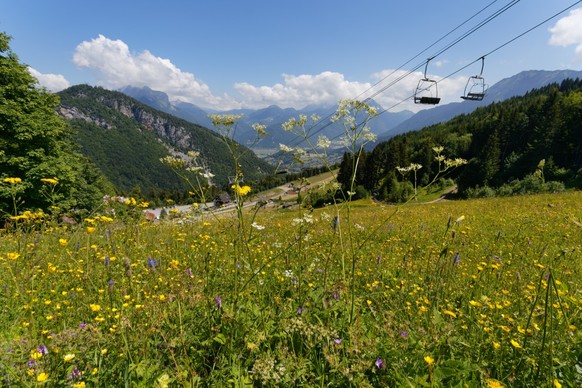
x: 35, y: 145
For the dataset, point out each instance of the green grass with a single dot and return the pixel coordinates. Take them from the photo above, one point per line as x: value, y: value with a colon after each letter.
x: 456, y: 293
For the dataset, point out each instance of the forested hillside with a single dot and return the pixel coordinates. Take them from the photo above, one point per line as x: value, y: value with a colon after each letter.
x: 126, y: 139
x: 536, y: 136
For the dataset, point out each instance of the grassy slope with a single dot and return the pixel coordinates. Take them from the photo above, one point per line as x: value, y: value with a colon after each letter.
x: 449, y: 293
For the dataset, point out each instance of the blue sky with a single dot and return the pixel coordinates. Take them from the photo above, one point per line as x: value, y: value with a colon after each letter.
x: 225, y: 54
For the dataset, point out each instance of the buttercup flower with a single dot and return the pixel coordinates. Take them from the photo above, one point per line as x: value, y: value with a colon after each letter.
x: 42, y: 377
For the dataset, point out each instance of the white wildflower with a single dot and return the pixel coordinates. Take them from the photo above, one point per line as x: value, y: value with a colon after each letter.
x: 257, y: 226
x: 285, y: 148
x: 323, y: 142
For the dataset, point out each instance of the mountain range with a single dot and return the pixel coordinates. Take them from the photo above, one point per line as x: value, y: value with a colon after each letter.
x: 126, y: 133
x: 272, y: 116
x: 387, y: 125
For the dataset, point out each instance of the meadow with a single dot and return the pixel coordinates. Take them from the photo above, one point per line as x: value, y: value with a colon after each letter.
x: 476, y: 293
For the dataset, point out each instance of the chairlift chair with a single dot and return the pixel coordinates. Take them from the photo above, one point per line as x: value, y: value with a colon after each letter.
x: 426, y: 91
x: 475, y: 88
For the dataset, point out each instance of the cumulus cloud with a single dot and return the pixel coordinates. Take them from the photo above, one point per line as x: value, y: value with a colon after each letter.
x: 325, y: 88
x: 568, y: 31
x: 53, y: 82
x: 116, y: 66
x: 393, y: 90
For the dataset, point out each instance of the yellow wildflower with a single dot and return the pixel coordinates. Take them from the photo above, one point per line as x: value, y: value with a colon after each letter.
x: 429, y: 360
x: 79, y: 385
x: 52, y: 181
x: 63, y: 242
x: 557, y: 384
x: 450, y: 313
x: 68, y: 357
x: 515, y: 344
x: 12, y: 180
x: 95, y: 307
x: 42, y: 377
x: 241, y: 190
x: 492, y: 383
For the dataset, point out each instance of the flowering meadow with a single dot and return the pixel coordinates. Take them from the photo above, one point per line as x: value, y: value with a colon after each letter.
x: 477, y: 293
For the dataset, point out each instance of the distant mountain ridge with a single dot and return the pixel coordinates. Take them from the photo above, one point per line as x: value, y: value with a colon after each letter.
x: 126, y: 139
x: 272, y: 116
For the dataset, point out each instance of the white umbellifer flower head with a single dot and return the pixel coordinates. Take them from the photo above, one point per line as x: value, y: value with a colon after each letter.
x: 260, y: 129
x: 257, y: 226
x: 285, y: 148
x: 323, y: 142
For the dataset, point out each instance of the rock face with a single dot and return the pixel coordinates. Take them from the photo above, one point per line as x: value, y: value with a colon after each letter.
x: 162, y: 126
x: 127, y: 139
x: 71, y: 113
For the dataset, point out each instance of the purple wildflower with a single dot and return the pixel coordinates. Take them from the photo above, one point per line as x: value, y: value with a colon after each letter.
x: 110, y: 284
x: 300, y: 310
x: 106, y: 261
x: 404, y: 333
x: 152, y: 263
x: 337, y: 340
x: 82, y: 325
x: 42, y: 350
x: 189, y: 272
x: 379, y: 363
x: 31, y: 364
x: 218, y: 301
x: 457, y: 258
x: 335, y: 294
x: 75, y: 373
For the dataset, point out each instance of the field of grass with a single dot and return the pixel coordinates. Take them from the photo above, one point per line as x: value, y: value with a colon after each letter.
x: 479, y: 293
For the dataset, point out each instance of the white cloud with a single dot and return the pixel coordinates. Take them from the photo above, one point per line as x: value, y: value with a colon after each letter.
x: 568, y: 31
x: 53, y: 82
x: 116, y: 66
x: 299, y: 91
x: 329, y: 87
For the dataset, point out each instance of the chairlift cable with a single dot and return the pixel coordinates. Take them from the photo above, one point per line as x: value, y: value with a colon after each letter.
x: 312, y: 132
x: 458, y: 70
x: 480, y: 58
x: 492, y: 51
x: 450, y: 45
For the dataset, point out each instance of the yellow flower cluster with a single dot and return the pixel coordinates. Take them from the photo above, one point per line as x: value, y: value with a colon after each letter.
x: 29, y: 216
x: 50, y: 181
x: 12, y: 181
x: 241, y: 190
